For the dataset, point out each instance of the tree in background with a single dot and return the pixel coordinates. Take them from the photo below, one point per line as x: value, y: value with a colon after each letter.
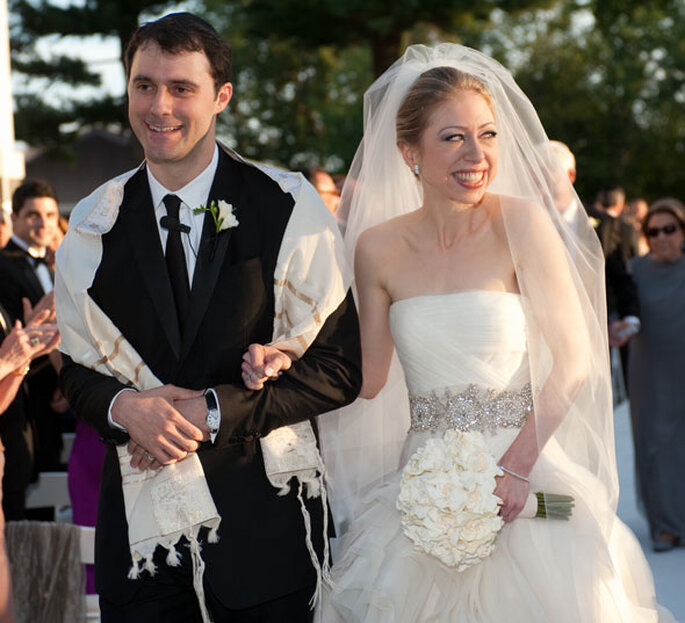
x: 41, y: 120
x: 302, y: 66
x: 606, y: 76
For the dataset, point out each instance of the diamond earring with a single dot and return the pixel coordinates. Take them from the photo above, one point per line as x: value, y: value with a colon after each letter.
x: 416, y: 169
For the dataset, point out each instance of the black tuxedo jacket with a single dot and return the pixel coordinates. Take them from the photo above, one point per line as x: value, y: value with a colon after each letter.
x: 261, y: 553
x: 18, y: 279
x: 17, y: 437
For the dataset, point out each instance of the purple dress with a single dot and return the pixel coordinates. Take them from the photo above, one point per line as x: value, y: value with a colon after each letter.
x: 85, y: 471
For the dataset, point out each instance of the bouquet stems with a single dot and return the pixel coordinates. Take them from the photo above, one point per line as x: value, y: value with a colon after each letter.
x: 548, y: 506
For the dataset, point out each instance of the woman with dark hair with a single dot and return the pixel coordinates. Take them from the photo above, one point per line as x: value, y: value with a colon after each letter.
x: 657, y: 361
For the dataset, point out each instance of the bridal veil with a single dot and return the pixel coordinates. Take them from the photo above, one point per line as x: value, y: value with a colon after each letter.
x: 560, y: 275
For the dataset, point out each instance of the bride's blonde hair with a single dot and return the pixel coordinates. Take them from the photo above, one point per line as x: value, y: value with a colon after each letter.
x: 431, y: 88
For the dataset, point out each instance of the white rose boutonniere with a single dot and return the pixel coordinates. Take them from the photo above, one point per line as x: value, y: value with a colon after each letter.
x: 222, y: 214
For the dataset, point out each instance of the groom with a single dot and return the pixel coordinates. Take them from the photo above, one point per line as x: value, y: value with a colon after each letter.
x: 190, y: 294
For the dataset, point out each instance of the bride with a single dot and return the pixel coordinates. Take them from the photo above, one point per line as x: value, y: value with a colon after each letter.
x: 496, y: 310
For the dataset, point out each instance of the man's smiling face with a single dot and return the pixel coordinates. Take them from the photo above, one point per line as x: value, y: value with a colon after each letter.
x: 173, y: 103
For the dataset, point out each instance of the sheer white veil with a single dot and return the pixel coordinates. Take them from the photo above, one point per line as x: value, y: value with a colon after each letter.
x: 560, y: 274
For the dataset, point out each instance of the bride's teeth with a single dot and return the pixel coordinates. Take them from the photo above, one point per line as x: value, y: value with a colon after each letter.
x: 471, y: 176
x: 164, y: 129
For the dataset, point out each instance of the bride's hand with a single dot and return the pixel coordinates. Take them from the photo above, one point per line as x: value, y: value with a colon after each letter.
x: 263, y: 363
x: 514, y: 493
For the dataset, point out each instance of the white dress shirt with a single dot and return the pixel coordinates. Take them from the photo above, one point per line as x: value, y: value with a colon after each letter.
x: 40, y: 269
x: 193, y: 195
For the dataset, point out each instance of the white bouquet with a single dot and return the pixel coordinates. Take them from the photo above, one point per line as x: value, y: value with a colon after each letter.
x: 446, y: 501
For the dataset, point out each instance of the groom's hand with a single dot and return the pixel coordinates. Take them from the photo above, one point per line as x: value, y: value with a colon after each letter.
x: 155, y: 424
x: 195, y: 411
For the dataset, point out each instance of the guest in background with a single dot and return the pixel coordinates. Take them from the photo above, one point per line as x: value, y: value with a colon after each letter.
x: 619, y: 243
x: 60, y: 232
x: 18, y: 347
x: 657, y: 361
x: 5, y: 226
x: 615, y: 230
x: 25, y: 273
x: 564, y: 198
x: 635, y: 212
x: 325, y: 186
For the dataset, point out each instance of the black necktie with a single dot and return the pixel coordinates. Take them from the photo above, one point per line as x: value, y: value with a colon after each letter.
x: 176, y: 260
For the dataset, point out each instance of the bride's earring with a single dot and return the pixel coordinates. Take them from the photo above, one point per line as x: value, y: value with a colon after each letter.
x: 416, y: 170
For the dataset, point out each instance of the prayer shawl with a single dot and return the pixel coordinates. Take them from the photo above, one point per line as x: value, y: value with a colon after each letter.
x: 310, y: 281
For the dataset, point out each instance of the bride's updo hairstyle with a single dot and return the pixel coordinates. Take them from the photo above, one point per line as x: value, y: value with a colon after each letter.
x: 432, y: 88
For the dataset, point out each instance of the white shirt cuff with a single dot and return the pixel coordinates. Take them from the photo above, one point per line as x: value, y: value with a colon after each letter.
x: 110, y: 420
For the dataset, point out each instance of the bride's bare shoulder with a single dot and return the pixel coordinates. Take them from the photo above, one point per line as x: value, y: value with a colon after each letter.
x: 386, y: 238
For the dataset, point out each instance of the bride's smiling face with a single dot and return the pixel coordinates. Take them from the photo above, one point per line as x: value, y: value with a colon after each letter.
x: 457, y: 151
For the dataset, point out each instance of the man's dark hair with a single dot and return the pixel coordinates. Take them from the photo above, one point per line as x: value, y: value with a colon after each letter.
x: 611, y: 195
x: 31, y: 189
x: 183, y: 32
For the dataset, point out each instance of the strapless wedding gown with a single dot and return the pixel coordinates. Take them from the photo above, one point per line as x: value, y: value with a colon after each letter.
x: 465, y: 362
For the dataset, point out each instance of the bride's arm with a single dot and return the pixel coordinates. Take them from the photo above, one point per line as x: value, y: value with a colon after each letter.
x: 558, y: 332
x: 374, y: 306
x: 519, y: 458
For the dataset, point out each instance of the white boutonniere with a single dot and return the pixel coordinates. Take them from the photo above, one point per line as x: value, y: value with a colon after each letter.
x: 222, y: 214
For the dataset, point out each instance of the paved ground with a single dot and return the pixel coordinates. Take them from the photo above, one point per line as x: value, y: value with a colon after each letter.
x: 669, y: 567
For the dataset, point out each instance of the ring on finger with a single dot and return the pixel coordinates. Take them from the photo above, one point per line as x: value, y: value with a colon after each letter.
x: 149, y: 457
x: 34, y: 341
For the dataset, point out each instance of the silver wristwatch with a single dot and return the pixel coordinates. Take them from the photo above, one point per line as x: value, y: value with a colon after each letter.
x: 213, y: 419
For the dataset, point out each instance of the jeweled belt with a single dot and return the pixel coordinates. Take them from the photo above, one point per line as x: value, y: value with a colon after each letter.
x: 474, y: 409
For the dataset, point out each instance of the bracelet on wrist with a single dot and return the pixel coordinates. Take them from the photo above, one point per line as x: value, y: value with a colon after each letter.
x: 506, y: 470
x: 21, y: 371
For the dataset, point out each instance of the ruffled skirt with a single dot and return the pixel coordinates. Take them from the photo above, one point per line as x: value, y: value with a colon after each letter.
x: 589, y: 569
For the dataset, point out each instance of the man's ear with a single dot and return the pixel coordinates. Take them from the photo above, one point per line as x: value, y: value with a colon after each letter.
x: 223, y: 96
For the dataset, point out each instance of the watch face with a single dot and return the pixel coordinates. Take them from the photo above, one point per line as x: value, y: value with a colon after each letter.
x: 213, y: 419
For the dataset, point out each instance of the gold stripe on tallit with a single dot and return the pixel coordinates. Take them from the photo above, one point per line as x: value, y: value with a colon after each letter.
x: 303, y: 297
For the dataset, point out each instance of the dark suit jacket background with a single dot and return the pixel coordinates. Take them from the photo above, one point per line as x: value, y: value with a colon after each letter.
x: 17, y: 280
x: 17, y: 437
x: 261, y: 554
x: 620, y: 243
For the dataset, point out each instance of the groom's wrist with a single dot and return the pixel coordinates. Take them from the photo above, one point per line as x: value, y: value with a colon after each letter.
x: 113, y: 423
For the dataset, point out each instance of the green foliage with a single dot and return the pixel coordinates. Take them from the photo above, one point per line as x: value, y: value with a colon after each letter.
x: 41, y: 119
x: 607, y: 79
x: 302, y: 67
x: 606, y: 76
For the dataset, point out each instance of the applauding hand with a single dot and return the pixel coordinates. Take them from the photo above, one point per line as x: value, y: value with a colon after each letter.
x: 25, y: 344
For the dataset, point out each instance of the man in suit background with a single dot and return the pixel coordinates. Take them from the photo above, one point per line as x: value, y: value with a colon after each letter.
x: 190, y: 296
x: 5, y: 226
x: 26, y: 283
x: 620, y: 243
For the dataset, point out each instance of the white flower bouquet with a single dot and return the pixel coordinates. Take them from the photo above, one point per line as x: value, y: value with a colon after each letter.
x: 446, y: 501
